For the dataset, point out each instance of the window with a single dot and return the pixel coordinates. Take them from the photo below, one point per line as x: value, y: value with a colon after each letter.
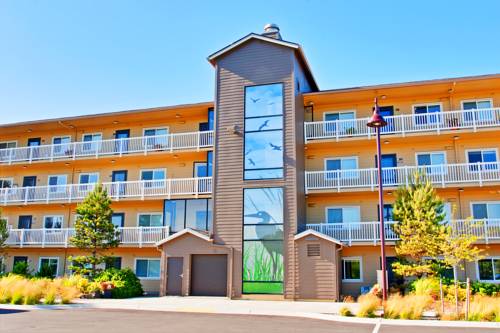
x: 118, y: 219
x: 343, y: 215
x: 263, y: 240
x: 154, y: 177
x: 147, y: 268
x: 188, y: 213
x: 486, y: 159
x: 263, y: 132
x: 342, y: 122
x: 156, y: 138
x: 8, y: 144
x: 62, y: 145
x: 481, y: 110
x: 113, y: 262
x: 53, y: 221
x: 427, y: 114
x: 488, y: 269
x: 88, y: 178
x: 57, y: 183
x: 486, y: 210
x: 341, y: 167
x: 150, y: 220
x: 434, y: 162
x: 204, y: 169
x: 17, y: 259
x: 92, y: 142
x: 51, y: 262
x: 6, y: 182
x: 352, y: 270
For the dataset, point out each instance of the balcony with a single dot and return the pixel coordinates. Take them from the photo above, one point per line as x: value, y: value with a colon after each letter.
x: 129, y: 190
x: 129, y: 236
x: 368, y: 232
x: 405, y: 124
x: 175, y: 142
x: 444, y: 175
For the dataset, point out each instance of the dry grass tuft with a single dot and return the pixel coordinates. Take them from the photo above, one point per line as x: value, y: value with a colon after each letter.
x: 368, y: 304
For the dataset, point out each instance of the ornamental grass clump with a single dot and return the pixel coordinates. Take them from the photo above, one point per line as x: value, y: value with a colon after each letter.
x: 407, y: 307
x: 484, y: 308
x: 345, y: 311
x: 368, y: 304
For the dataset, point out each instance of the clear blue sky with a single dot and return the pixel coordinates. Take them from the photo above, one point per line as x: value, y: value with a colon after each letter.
x: 63, y: 58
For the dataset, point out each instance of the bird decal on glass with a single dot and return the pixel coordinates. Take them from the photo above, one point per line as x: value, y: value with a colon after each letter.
x: 251, y: 161
x: 264, y: 124
x: 275, y: 147
x: 255, y: 100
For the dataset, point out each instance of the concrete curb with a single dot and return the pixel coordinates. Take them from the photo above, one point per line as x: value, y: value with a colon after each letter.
x: 320, y: 316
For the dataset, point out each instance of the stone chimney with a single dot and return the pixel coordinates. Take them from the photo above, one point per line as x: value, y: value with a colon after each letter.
x: 272, y: 30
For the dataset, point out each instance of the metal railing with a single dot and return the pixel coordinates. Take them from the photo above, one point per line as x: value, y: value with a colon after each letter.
x: 138, y: 236
x: 403, y: 124
x: 140, y: 189
x: 441, y: 175
x: 114, y: 147
x: 485, y: 230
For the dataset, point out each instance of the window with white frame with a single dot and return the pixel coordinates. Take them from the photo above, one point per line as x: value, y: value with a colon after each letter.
x: 434, y: 162
x: 482, y: 159
x: 154, y: 177
x: 57, y: 183
x: 53, y: 221
x: 425, y: 114
x: 147, y: 268
x: 343, y: 214
x: 478, y: 110
x: 51, y: 262
x: 62, y: 145
x: 87, y: 181
x: 156, y: 138
x: 352, y: 270
x: 341, y: 121
x: 8, y: 144
x: 92, y: 142
x: 150, y: 220
x: 6, y: 182
x: 341, y: 167
x: 488, y: 269
x: 486, y: 210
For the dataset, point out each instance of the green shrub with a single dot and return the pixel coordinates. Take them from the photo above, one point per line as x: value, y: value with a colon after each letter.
x: 426, y: 287
x: 21, y: 268
x: 45, y: 272
x: 345, y: 311
x: 485, y: 289
x: 126, y: 284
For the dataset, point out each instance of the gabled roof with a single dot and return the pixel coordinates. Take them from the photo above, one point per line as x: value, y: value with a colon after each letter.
x: 310, y: 232
x: 213, y: 57
x: 183, y: 232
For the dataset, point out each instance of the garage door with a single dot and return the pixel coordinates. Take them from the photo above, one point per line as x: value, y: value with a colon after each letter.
x: 208, y: 275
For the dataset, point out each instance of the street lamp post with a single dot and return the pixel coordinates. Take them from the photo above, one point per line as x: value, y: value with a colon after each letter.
x: 377, y: 122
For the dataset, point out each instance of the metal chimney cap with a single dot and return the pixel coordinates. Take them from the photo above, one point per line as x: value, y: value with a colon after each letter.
x: 271, y: 27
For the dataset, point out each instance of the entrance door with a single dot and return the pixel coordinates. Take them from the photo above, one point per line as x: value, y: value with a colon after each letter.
x: 392, y: 278
x: 175, y: 267
x: 34, y: 142
x: 209, y: 275
x: 387, y: 111
x: 121, y: 146
x: 24, y: 222
x: 119, y: 176
x: 389, y: 175
x: 29, y: 183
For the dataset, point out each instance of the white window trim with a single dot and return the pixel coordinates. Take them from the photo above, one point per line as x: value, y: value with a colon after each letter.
x: 62, y: 176
x: 154, y: 169
x: 441, y: 110
x: 471, y: 204
x: 61, y: 137
x: 462, y: 102
x: 341, y: 158
x: 481, y: 150
x: 87, y: 173
x: 11, y: 179
x: 444, y: 171
x: 96, y: 133
x: 360, y: 269
x: 155, y: 128
x: 40, y: 263
x: 338, y: 207
x: 10, y: 141
x: 147, y: 258
x: 413, y: 106
x: 339, y: 112
x: 62, y: 221
x: 477, y: 270
x: 150, y: 213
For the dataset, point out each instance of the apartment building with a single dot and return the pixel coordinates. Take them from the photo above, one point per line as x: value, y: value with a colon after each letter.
x: 270, y: 189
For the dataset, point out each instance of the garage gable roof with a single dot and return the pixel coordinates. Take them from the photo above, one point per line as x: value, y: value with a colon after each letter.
x: 182, y: 233
x: 310, y: 232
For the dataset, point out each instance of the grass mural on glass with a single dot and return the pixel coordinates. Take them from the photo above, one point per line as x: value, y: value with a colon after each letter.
x: 264, y: 268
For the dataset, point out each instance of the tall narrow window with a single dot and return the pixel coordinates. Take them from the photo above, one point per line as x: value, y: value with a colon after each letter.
x: 264, y: 132
x: 263, y: 241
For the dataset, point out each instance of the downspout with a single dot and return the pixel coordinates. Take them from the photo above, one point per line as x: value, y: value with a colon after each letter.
x: 338, y: 279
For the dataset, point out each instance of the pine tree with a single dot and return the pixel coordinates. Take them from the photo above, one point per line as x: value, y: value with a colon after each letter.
x: 419, y: 214
x: 94, y: 231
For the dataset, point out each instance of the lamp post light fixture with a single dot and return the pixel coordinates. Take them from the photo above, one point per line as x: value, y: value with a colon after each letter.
x: 377, y: 122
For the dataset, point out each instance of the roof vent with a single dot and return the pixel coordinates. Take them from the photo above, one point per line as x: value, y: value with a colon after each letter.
x: 272, y: 30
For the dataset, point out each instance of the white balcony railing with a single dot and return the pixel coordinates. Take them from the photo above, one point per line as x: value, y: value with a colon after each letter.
x: 114, y: 147
x: 485, y: 230
x: 440, y: 175
x: 136, y: 236
x: 140, y: 189
x: 403, y: 124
